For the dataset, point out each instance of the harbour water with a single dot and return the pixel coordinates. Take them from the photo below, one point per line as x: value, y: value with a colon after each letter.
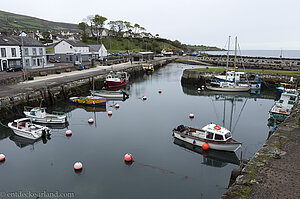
x: 162, y: 167
x: 294, y: 54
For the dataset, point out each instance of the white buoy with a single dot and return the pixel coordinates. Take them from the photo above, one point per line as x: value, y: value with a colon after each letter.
x: 78, y: 166
x: 144, y: 98
x: 202, y: 86
x: 91, y: 120
x: 117, y: 106
x: 109, y: 113
x: 191, y: 115
x: 2, y: 157
x: 199, y: 89
x: 68, y: 132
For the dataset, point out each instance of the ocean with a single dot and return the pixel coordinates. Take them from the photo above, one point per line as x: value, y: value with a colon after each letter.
x: 260, y: 53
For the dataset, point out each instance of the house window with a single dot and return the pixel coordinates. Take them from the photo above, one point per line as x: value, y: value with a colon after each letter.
x: 13, y: 52
x: 27, y: 62
x: 3, y: 52
x: 34, y: 51
x: 26, y: 52
x: 38, y: 62
x: 34, y: 62
x: 41, y: 51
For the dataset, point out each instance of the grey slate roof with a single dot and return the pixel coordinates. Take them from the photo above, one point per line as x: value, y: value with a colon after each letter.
x: 8, y: 41
x: 28, y: 41
x: 95, y: 48
x: 76, y: 43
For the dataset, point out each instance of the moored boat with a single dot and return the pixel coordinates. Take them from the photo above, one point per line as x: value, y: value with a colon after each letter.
x: 228, y: 87
x: 89, y: 100
x: 39, y: 115
x: 119, y: 94
x: 282, y: 108
x: 218, y: 138
x: 25, y: 128
x: 148, y: 67
x: 117, y: 79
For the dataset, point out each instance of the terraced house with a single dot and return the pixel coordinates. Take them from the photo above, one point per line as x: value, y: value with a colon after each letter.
x: 33, y: 53
x: 10, y: 56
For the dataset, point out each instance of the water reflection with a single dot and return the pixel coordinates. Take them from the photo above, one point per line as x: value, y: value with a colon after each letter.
x: 24, y: 142
x: 212, y: 158
x: 90, y: 108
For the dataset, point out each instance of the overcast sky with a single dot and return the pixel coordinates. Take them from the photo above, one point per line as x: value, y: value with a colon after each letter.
x: 258, y: 24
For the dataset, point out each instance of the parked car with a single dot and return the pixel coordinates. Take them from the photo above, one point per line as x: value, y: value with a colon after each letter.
x: 14, y: 69
x: 159, y: 55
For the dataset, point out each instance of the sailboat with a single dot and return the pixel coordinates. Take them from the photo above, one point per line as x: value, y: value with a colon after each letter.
x: 233, y: 85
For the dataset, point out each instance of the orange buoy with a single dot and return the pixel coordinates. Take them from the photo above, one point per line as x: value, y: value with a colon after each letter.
x: 91, y: 121
x: 205, y: 146
x: 117, y: 106
x: 2, y: 157
x: 109, y: 113
x: 191, y: 115
x: 144, y: 98
x: 78, y: 166
x: 159, y: 91
x: 217, y: 127
x: 128, y: 157
x: 68, y: 132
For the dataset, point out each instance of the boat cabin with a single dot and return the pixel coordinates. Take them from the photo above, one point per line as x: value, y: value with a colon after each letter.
x: 21, y: 123
x: 217, y: 133
x: 230, y: 76
x: 38, y: 112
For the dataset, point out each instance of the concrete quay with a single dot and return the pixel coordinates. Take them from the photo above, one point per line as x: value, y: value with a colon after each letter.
x: 274, y: 171
x: 56, y: 87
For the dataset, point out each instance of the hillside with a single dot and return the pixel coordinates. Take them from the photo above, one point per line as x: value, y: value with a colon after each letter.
x: 11, y: 21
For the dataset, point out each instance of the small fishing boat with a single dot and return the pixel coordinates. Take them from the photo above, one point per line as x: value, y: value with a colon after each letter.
x: 39, y: 115
x: 228, y: 87
x: 25, y: 128
x: 217, y: 137
x: 282, y: 108
x: 89, y: 100
x: 117, y: 79
x: 119, y: 94
x: 148, y: 67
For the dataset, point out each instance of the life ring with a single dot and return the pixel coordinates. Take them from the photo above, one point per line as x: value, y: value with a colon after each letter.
x: 217, y: 127
x: 36, y: 107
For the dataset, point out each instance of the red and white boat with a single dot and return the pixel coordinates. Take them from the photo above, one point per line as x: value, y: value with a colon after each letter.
x: 117, y: 79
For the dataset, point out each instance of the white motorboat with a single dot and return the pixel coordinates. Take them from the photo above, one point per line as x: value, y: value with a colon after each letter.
x: 39, y: 115
x: 25, y: 128
x: 282, y: 108
x: 217, y: 137
x: 110, y: 94
x: 228, y: 87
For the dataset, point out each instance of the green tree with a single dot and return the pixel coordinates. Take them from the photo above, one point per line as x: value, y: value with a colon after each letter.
x: 46, y: 36
x: 83, y: 26
x: 99, y: 22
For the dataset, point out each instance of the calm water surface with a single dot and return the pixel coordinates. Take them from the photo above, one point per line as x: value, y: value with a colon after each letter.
x: 162, y: 168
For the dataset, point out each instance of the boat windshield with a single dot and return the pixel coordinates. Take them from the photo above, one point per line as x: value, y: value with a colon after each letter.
x: 227, y: 135
x: 219, y: 137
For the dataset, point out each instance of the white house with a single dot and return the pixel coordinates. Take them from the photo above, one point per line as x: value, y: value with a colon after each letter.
x: 33, y: 53
x: 10, y: 56
x: 69, y: 51
x: 98, y: 51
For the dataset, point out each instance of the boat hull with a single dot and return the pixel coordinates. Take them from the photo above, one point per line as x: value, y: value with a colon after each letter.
x: 215, y: 146
x: 88, y: 101
x: 236, y: 89
x: 116, y: 84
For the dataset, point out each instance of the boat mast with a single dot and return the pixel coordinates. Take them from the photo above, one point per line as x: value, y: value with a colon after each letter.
x: 93, y: 87
x: 227, y: 60
x: 228, y: 53
x: 235, y: 49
